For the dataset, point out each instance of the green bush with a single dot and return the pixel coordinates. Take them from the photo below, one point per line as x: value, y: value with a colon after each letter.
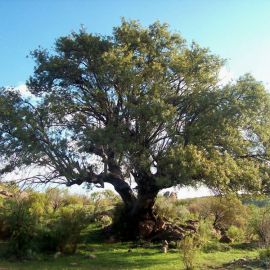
x: 171, y: 210
x: 215, y: 246
x: 264, y: 256
x: 22, y: 218
x: 4, y: 228
x: 104, y: 221
x: 223, y: 211
x: 63, y: 231
x: 119, y: 224
x: 188, y: 248
x: 259, y: 225
x: 34, y: 222
x: 236, y: 234
x: 205, y: 232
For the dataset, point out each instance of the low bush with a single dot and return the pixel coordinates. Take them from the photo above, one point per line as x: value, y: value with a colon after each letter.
x: 259, y: 225
x: 22, y: 218
x: 172, y: 210
x: 33, y: 222
x: 104, y: 221
x: 189, y: 249
x: 223, y: 211
x: 236, y: 234
x: 215, y: 246
x: 62, y: 232
x: 205, y: 233
x: 264, y: 256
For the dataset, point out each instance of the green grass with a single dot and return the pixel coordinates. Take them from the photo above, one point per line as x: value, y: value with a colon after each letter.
x: 117, y: 257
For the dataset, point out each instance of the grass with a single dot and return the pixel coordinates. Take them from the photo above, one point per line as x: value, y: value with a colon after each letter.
x: 119, y: 257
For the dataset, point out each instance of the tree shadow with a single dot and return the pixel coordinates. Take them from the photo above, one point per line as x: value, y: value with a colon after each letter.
x: 246, y: 246
x: 243, y: 263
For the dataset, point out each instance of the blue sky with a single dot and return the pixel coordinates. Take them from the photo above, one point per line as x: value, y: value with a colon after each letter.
x: 238, y: 30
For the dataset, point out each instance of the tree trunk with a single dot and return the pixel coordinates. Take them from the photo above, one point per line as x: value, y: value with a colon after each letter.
x: 141, y: 222
x: 123, y: 189
x: 141, y: 216
x: 137, y: 219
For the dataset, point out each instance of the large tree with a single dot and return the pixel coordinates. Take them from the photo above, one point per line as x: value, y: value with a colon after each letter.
x: 139, y: 106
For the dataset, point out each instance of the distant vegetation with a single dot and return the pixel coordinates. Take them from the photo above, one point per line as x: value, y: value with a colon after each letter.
x: 50, y: 221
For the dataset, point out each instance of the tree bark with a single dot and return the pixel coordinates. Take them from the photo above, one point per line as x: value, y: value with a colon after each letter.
x: 137, y: 220
x: 123, y: 189
x: 142, y: 216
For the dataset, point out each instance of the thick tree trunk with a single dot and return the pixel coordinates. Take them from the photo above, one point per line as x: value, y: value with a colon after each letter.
x: 141, y: 216
x: 123, y: 189
x: 137, y: 219
x: 141, y: 222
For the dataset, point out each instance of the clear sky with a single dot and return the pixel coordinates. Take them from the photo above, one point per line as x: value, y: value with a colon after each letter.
x: 238, y: 30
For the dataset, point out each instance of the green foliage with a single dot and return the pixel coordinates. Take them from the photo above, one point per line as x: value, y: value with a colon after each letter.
x: 188, y: 247
x: 215, y: 246
x: 103, y: 202
x: 223, y: 211
x: 65, y: 228
x: 50, y: 221
x: 205, y: 233
x: 252, y: 221
x: 61, y: 229
x: 236, y: 234
x: 259, y: 225
x: 22, y: 217
x: 120, y: 222
x: 104, y: 221
x: 264, y: 256
x: 171, y: 210
x: 138, y: 99
x: 255, y: 200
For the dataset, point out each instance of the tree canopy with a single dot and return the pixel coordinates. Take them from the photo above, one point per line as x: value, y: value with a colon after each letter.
x: 141, y: 104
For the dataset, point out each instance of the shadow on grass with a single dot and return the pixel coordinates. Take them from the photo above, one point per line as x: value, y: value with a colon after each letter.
x: 245, y: 246
x: 243, y: 264
x: 109, y: 257
x: 114, y: 256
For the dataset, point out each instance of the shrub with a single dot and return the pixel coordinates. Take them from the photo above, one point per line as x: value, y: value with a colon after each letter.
x: 171, y: 210
x: 22, y: 216
x: 4, y: 229
x: 236, y: 234
x: 205, y: 232
x: 119, y: 224
x: 215, y: 246
x: 54, y: 199
x: 50, y: 221
x: 62, y: 232
x: 188, y: 247
x: 104, y: 221
x: 223, y: 211
x: 264, y: 256
x: 259, y: 224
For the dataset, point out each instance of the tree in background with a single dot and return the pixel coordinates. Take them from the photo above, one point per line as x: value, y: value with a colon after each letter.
x: 138, y: 106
